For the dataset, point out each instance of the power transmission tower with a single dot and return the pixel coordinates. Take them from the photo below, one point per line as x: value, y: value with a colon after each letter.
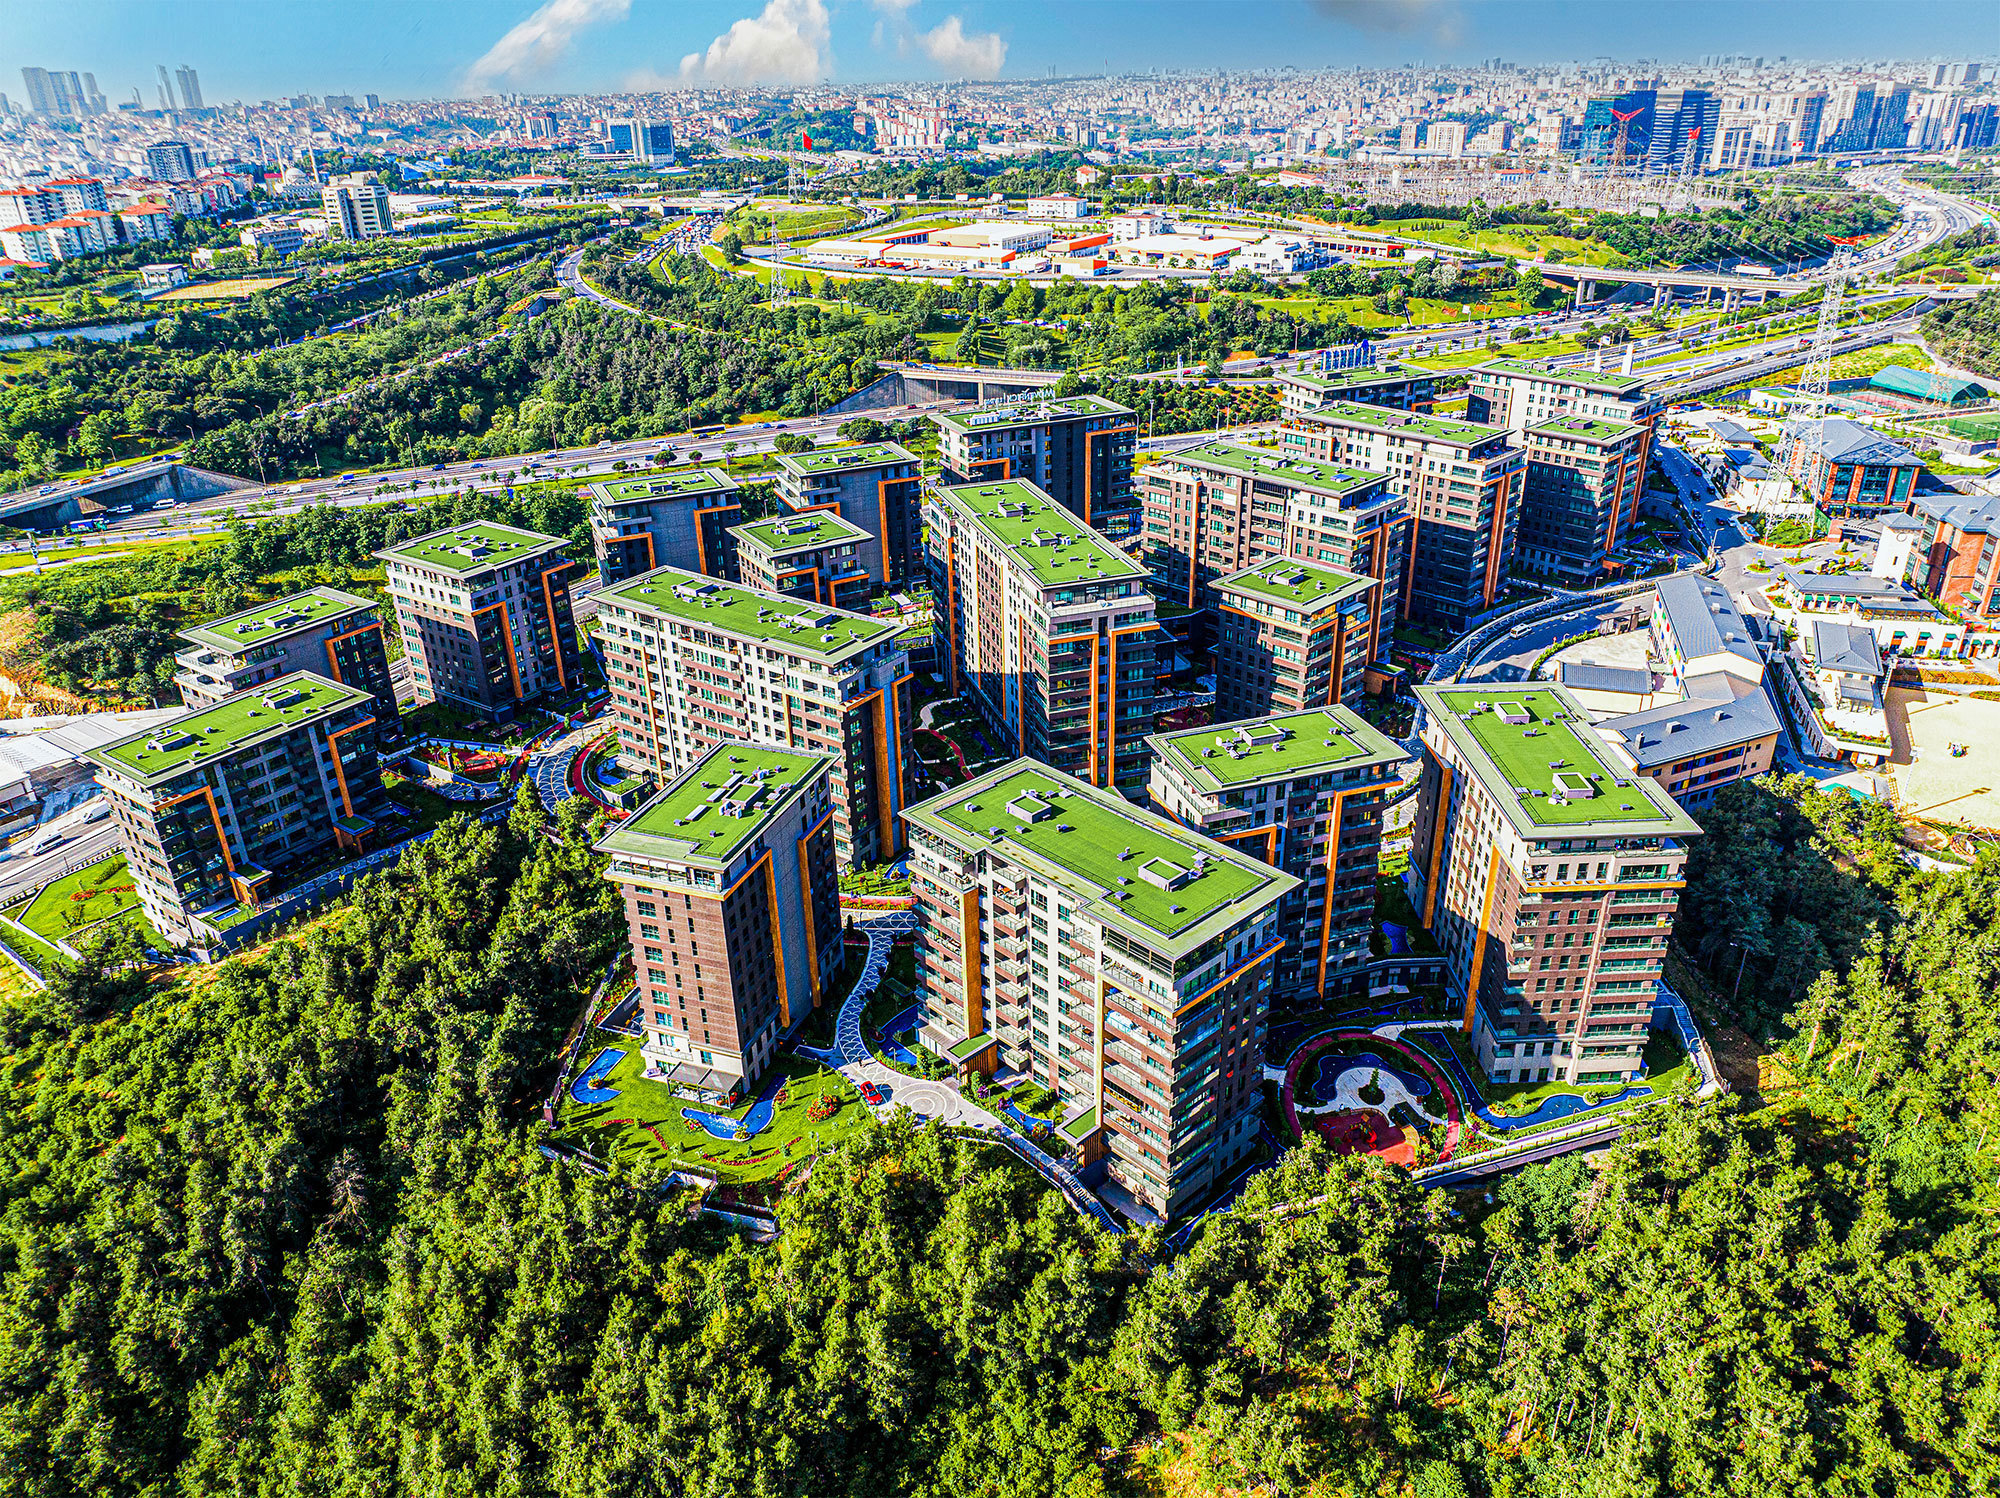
x: 1804, y: 433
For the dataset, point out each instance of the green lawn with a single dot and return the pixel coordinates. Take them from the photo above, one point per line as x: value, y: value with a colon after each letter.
x: 1392, y: 903
x: 58, y: 911
x: 1666, y: 1065
x: 644, y: 1122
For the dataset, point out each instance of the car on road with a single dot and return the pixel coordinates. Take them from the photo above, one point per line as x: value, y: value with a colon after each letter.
x: 168, y: 504
x: 1518, y: 630
x: 439, y: 467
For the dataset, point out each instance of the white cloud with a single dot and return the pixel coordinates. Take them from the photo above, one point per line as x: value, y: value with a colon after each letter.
x: 541, y: 41
x: 785, y: 43
x: 1439, y: 18
x: 893, y: 7
x: 979, y: 55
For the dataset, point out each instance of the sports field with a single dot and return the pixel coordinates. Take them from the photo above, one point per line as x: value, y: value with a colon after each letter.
x: 235, y: 289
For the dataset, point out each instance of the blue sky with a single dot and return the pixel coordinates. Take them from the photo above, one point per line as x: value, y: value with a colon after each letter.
x: 256, y: 49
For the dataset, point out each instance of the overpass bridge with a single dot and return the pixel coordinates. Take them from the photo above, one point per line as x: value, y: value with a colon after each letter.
x: 1586, y: 279
x: 940, y: 384
x: 142, y: 485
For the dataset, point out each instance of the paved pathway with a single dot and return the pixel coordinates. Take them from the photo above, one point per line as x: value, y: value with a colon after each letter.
x: 550, y: 766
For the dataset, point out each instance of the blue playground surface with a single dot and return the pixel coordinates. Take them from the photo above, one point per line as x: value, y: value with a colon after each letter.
x: 1562, y: 1105
x: 894, y: 1049
x: 758, y: 1119
x: 1327, y: 1069
x: 1398, y: 938
x: 585, y: 1089
x: 1025, y: 1120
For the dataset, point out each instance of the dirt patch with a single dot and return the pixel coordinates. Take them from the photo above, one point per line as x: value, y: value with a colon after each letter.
x: 1752, y: 1072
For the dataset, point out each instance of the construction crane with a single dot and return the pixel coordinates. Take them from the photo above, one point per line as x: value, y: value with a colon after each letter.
x: 1808, y: 414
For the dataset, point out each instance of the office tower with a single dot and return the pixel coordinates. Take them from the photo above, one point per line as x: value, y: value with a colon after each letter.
x: 1618, y: 131
x: 1519, y: 393
x: 169, y: 161
x: 693, y: 662
x: 485, y: 616
x: 356, y: 208
x: 1292, y: 635
x: 1852, y: 111
x: 1077, y: 450
x: 732, y: 902
x: 41, y: 90
x: 214, y: 806
x: 1213, y: 510
x: 1684, y: 130
x: 1047, y: 631
x: 1585, y: 476
x: 813, y: 557
x: 94, y: 101
x: 1549, y: 879
x: 1892, y: 120
x: 1458, y: 482
x: 677, y: 518
x: 1305, y: 793
x: 1121, y: 960
x: 371, y: 101
x: 877, y: 487
x: 323, y: 630
x: 646, y: 141
x: 166, y: 90
x: 1403, y: 387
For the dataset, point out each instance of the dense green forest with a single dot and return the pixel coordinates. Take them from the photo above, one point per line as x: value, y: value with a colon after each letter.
x: 283, y: 1227
x: 1968, y: 333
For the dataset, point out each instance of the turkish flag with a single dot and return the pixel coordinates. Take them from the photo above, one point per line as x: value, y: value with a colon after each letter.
x: 809, y: 142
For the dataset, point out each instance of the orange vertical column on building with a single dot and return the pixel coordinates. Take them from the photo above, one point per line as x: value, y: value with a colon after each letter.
x: 1437, y: 845
x: 1479, y: 938
x: 968, y: 952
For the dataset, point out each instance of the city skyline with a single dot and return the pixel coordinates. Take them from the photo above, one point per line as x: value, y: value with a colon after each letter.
x: 467, y: 48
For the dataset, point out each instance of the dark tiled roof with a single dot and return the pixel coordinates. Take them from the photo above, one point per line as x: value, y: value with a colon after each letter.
x: 1660, y: 735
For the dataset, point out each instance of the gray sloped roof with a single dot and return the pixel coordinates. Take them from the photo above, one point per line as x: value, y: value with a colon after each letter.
x: 1660, y: 735
x: 1839, y: 440
x: 1846, y: 647
x: 1592, y: 678
x: 1704, y: 617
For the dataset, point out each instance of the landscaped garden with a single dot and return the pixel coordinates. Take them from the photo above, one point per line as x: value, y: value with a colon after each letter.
x: 69, y: 908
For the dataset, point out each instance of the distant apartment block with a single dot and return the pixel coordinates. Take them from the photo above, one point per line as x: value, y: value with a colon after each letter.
x: 1292, y: 635
x: 694, y: 663
x: 281, y: 239
x: 1400, y: 387
x: 676, y: 518
x: 1460, y: 484
x: 1049, y: 632
x: 1549, y: 876
x: 1519, y: 394
x: 324, y: 630
x: 485, y: 616
x: 169, y: 161
x: 215, y: 806
x: 732, y: 905
x: 877, y: 488
x: 356, y: 209
x: 814, y: 556
x: 1213, y: 510
x: 1304, y: 792
x: 1585, y: 477
x: 1121, y: 960
x: 1077, y: 450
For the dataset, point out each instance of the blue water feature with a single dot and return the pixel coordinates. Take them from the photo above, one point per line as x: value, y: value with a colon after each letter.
x: 1328, y: 1067
x: 758, y: 1119
x: 894, y: 1049
x: 1025, y: 1120
x: 1398, y: 938
x: 1562, y: 1105
x: 585, y: 1089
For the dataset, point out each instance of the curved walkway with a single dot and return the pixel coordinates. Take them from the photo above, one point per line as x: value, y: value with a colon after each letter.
x: 1454, y: 1114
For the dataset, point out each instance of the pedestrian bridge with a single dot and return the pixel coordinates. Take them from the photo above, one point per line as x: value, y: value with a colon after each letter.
x: 938, y: 384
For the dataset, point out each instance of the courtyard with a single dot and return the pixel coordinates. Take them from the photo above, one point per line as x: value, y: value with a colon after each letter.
x: 1931, y: 783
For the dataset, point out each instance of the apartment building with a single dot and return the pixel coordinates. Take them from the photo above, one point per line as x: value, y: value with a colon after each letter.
x: 1049, y: 632
x: 815, y: 556
x: 336, y: 634
x: 1305, y: 793
x: 1213, y: 510
x: 215, y: 806
x: 1292, y: 635
x: 732, y: 908
x: 694, y: 663
x: 1077, y: 450
x: 1549, y: 876
x: 1851, y: 469
x: 1519, y: 393
x: 1584, y: 478
x: 877, y: 488
x: 677, y: 518
x: 1949, y: 544
x: 356, y: 207
x: 485, y: 616
x: 1121, y: 960
x: 1460, y: 483
x: 1400, y: 387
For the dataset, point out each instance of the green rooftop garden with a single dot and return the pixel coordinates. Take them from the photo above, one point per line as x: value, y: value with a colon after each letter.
x: 815, y: 630
x: 1582, y: 378
x: 473, y: 547
x: 1309, y: 587
x: 248, y: 718
x: 715, y: 808
x: 1328, y: 738
x: 1054, y: 544
x: 1587, y: 428
x: 274, y: 620
x: 1368, y: 378
x: 1230, y: 457
x: 1028, y: 410
x: 1406, y: 423
x: 789, y: 533
x: 866, y: 455
x: 673, y: 483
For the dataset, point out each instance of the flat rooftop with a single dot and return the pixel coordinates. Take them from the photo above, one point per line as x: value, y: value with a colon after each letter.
x: 816, y: 631
x: 1116, y: 858
x: 1553, y: 737
x: 1053, y: 544
x: 1365, y: 377
x: 1586, y: 379
x: 833, y: 459
x: 1027, y: 411
x: 476, y: 546
x: 668, y: 483
x: 276, y: 620
x: 208, y: 733
x: 1585, y: 429
x: 711, y: 811
x: 1403, y: 423
x: 1309, y: 587
x: 1250, y: 751
x: 786, y: 534
x: 1280, y: 468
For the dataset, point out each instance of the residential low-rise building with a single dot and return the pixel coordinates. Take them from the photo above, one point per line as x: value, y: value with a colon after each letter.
x: 877, y: 488
x: 1549, y: 876
x: 1851, y: 469
x: 814, y: 556
x: 215, y: 807
x: 1951, y: 550
x: 732, y: 909
x: 1903, y: 621
x: 1292, y: 635
x: 324, y: 630
x: 1077, y: 449
x: 1304, y: 792
x: 1122, y: 960
x: 694, y: 663
x: 679, y: 517
x: 485, y: 616
x: 1843, y: 669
